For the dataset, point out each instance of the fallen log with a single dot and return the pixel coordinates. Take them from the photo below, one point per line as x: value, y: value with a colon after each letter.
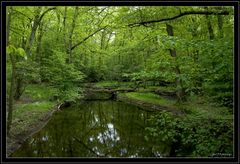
x: 166, y: 93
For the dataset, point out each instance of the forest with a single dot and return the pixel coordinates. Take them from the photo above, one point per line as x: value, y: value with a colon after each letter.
x: 101, y: 67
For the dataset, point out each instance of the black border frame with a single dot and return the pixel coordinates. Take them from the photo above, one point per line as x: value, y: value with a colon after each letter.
x: 236, y: 157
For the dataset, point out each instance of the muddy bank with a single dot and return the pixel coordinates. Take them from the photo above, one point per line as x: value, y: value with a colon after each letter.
x: 15, y: 141
x: 149, y: 105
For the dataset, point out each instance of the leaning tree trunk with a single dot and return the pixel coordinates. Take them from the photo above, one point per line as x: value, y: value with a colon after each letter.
x: 173, y: 53
x: 33, y: 31
x: 37, y: 20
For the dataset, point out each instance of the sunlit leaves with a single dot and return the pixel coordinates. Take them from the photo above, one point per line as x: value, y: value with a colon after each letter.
x: 21, y: 53
x: 10, y: 49
x: 16, y: 51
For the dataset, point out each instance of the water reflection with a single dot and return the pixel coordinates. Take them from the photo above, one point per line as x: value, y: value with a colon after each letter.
x: 94, y: 129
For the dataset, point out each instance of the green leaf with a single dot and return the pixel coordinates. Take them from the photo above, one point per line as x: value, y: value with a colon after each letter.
x: 11, y: 49
x: 21, y: 52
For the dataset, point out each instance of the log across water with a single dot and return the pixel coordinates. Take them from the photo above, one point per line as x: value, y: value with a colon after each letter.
x: 103, y: 94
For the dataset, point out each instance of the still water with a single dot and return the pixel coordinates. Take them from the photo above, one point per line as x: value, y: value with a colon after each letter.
x: 94, y: 129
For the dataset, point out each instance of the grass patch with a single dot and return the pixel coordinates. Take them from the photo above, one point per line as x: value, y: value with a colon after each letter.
x: 154, y: 88
x: 196, y: 108
x: 43, y: 106
x: 40, y: 92
x: 149, y: 98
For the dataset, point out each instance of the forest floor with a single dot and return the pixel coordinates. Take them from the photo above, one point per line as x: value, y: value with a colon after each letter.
x: 31, y: 113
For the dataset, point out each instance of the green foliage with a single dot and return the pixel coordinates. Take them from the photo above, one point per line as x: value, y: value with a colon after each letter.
x: 65, y: 77
x: 71, y: 94
x: 218, y: 82
x: 10, y: 49
x: 21, y: 52
x: 195, y: 137
x: 141, y: 53
x: 16, y: 51
x: 93, y: 75
x: 151, y: 76
x: 28, y: 71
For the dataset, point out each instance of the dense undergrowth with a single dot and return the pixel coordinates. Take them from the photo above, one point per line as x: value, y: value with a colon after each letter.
x: 190, y: 136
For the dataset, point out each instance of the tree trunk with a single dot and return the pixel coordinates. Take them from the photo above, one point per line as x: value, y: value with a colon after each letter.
x: 210, y: 29
x: 180, y: 92
x: 11, y: 95
x: 39, y: 44
x: 69, y: 47
x: 36, y: 22
x: 220, y: 26
x: 64, y: 28
x: 211, y: 36
x: 10, y: 99
x: 209, y: 25
x: 33, y: 31
x: 19, y: 87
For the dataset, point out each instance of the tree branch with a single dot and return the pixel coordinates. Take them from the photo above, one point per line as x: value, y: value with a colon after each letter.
x: 16, y: 32
x: 73, y: 47
x: 53, y: 8
x: 144, y: 23
x: 22, y: 14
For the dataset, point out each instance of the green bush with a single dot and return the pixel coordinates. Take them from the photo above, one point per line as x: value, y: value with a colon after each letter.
x: 193, y: 137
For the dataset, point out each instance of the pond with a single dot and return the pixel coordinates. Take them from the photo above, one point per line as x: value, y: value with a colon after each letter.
x: 94, y: 129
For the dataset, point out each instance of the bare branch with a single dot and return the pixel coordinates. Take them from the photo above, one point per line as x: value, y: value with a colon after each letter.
x: 73, y: 47
x: 144, y: 23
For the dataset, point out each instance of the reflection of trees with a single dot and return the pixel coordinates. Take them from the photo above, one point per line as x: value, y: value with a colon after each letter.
x: 96, y: 128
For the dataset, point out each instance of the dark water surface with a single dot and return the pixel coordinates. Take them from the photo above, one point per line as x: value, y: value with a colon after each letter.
x: 94, y: 129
